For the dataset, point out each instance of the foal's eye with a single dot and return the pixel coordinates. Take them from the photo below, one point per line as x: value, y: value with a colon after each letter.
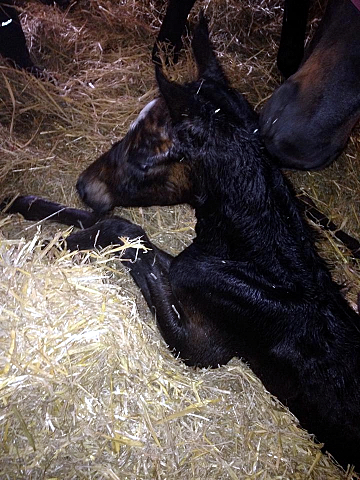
x: 144, y: 167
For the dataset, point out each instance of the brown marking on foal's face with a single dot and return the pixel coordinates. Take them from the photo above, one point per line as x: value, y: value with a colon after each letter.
x: 142, y: 169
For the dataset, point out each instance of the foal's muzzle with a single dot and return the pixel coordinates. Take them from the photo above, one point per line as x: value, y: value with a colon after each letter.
x: 95, y: 194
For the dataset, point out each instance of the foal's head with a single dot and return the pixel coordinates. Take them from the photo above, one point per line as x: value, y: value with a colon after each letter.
x: 156, y: 163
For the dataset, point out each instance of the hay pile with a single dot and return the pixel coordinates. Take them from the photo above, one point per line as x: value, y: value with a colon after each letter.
x: 87, y: 386
x: 89, y: 390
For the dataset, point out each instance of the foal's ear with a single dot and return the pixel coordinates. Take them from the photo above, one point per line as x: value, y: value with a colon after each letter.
x: 207, y: 63
x: 175, y: 96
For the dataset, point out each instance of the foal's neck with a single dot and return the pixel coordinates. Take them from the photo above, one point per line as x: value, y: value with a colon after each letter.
x: 250, y: 213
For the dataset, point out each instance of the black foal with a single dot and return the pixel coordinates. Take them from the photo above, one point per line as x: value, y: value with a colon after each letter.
x: 251, y: 284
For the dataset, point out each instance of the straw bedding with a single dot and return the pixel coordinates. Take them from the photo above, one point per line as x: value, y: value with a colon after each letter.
x: 88, y: 388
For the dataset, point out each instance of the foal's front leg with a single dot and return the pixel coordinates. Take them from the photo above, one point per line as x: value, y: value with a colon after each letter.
x: 149, y: 266
x: 38, y: 209
x: 183, y: 326
x: 189, y: 335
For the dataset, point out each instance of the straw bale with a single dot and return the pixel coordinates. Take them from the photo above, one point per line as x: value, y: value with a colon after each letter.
x: 87, y: 386
x: 89, y: 390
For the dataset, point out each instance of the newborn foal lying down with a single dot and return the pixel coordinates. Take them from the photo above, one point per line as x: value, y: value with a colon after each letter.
x: 251, y: 284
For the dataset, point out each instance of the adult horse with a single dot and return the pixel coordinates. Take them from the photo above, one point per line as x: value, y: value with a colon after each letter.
x: 307, y: 121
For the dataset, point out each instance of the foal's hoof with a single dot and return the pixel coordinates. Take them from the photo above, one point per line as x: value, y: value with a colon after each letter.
x: 104, y: 233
